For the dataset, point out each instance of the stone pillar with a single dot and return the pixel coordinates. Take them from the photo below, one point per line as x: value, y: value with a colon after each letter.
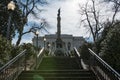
x: 58, y: 25
x: 58, y: 40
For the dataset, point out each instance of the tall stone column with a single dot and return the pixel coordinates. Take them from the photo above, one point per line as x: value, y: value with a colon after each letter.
x: 58, y: 40
x: 58, y: 25
x: 59, y: 43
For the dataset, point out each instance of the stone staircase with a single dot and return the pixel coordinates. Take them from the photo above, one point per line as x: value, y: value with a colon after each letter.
x: 58, y: 68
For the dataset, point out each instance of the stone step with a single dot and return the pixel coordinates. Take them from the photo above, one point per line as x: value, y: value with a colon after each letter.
x: 58, y: 71
x: 58, y: 68
x: 58, y: 74
x: 57, y: 78
x: 58, y: 63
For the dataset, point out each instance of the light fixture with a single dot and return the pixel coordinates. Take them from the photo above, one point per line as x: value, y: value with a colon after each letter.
x: 37, y: 32
x: 44, y: 39
x: 11, y: 6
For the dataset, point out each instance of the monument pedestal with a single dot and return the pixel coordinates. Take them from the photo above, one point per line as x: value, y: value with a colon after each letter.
x: 59, y: 48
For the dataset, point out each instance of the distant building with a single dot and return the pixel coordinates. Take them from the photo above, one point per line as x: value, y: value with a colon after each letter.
x: 69, y: 41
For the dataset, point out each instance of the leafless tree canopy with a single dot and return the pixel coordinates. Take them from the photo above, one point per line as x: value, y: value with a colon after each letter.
x: 115, y: 8
x: 91, y: 19
x: 30, y: 7
x: 91, y: 16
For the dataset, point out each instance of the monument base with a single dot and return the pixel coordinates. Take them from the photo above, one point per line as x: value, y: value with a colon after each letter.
x: 59, y: 52
x: 59, y: 48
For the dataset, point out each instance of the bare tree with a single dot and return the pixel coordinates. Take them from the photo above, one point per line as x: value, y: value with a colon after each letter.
x: 30, y: 7
x: 114, y: 1
x: 115, y: 9
x: 91, y: 19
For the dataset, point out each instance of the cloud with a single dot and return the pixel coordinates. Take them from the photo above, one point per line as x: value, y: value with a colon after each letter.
x: 69, y: 18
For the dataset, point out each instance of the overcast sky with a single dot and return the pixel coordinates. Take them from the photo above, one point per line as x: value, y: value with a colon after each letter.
x: 70, y: 18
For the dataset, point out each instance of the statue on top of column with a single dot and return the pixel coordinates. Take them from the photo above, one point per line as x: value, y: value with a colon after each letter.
x: 59, y: 12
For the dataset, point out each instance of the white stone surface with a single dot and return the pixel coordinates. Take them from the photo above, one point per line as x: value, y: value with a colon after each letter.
x: 70, y: 41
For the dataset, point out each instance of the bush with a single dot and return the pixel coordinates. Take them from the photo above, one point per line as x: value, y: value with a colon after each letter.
x: 30, y: 49
x: 110, y: 51
x: 84, y: 52
x: 5, y: 50
x: 9, y: 51
x: 15, y: 51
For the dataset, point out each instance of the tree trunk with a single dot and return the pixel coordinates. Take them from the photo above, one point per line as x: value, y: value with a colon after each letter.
x: 19, y: 40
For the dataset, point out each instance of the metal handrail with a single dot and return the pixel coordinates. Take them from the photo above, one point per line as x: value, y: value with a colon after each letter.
x: 40, y: 52
x: 39, y: 57
x: 78, y: 54
x: 13, y: 68
x: 12, y: 61
x: 102, y: 70
x: 105, y: 64
x: 81, y: 62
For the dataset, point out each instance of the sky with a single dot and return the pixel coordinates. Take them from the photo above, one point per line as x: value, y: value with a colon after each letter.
x: 70, y: 18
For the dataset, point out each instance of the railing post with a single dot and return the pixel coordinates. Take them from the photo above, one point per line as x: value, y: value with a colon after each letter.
x: 18, y: 63
x: 36, y: 60
x: 25, y: 62
x: 92, y: 61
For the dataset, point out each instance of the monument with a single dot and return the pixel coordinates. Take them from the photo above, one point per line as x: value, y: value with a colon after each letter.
x: 59, y: 42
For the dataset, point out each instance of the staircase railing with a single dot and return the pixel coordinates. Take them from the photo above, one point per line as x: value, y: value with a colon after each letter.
x: 77, y: 54
x: 14, y: 67
x: 40, y: 57
x: 79, y: 59
x: 101, y: 68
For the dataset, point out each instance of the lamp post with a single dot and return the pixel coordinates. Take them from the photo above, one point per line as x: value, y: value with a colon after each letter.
x: 49, y: 45
x: 37, y: 33
x: 44, y: 42
x: 11, y: 7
